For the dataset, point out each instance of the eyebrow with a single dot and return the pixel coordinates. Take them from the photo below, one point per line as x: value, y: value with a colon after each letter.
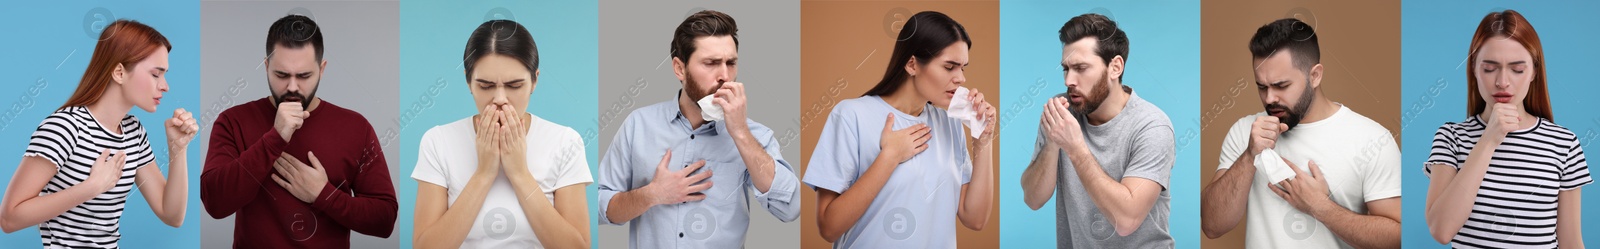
x: 492, y: 82
x: 162, y: 69
x: 1512, y: 63
x: 1274, y: 83
x: 956, y: 63
x: 709, y: 59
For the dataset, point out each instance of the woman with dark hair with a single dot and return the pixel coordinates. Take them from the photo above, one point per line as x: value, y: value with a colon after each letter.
x: 1508, y: 164
x: 482, y: 182
x: 86, y: 157
x: 900, y: 184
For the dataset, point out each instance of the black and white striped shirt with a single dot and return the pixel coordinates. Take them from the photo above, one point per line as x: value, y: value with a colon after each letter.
x: 72, y: 140
x: 1516, y: 203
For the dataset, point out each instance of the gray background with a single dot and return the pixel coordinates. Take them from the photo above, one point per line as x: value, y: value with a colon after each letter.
x: 362, y: 40
x: 634, y: 53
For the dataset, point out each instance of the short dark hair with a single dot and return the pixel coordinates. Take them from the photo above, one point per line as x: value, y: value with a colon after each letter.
x: 1112, y: 41
x: 502, y: 37
x: 703, y: 23
x: 294, y: 31
x: 923, y: 37
x: 1287, y: 34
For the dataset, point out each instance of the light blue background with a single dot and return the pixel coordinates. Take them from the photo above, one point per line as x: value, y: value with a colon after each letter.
x: 1163, y: 68
x: 45, y: 40
x: 1435, y: 42
x: 433, y: 36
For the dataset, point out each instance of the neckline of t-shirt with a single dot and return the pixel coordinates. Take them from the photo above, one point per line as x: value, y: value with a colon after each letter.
x: 1337, y: 114
x: 95, y: 121
x: 1530, y: 129
x: 1114, y: 119
x: 925, y: 109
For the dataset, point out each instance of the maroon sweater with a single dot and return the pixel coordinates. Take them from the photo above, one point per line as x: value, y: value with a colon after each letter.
x: 238, y: 179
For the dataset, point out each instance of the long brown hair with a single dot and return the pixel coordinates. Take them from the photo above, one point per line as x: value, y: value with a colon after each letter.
x: 923, y: 37
x: 124, y: 42
x: 1509, y: 24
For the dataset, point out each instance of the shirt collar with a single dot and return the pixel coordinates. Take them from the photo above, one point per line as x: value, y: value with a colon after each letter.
x: 674, y: 115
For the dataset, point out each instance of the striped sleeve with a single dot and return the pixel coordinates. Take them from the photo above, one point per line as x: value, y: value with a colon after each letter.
x: 1575, y: 172
x: 1445, y: 148
x: 53, y: 140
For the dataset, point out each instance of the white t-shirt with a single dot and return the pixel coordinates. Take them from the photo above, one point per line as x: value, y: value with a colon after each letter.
x: 448, y: 157
x: 1358, y: 157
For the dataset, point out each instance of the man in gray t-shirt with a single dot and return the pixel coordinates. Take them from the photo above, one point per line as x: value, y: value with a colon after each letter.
x: 1105, y: 153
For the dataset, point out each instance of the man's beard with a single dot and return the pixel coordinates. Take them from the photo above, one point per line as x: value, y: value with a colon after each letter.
x: 692, y: 88
x: 1293, y: 116
x: 1092, y: 100
x: 305, y: 100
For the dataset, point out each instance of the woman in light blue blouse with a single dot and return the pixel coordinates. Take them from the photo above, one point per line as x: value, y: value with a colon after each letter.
x: 892, y: 168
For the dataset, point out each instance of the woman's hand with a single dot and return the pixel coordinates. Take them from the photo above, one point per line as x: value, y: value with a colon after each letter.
x: 488, y: 139
x: 181, y: 129
x: 986, y: 113
x: 513, y: 141
x: 107, y: 170
x: 902, y: 144
x: 1503, y: 118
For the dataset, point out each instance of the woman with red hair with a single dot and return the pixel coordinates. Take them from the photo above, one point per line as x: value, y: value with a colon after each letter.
x: 86, y: 157
x: 1501, y: 178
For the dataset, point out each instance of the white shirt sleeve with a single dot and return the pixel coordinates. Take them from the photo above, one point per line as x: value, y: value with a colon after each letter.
x: 1382, y: 180
x: 430, y: 167
x: 574, y: 163
x: 1236, y: 143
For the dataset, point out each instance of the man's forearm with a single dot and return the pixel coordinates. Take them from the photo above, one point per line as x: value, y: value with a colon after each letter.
x: 628, y: 205
x: 1039, y: 180
x: 760, y: 165
x: 1223, y: 202
x: 1114, y: 199
x: 1359, y: 230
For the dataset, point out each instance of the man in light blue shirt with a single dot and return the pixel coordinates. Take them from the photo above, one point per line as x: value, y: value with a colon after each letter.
x: 669, y: 172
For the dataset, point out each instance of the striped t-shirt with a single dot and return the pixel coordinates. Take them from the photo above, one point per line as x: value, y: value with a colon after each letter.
x: 1516, y: 203
x: 72, y: 140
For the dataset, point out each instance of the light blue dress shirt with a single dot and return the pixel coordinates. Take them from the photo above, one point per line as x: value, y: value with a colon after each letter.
x: 719, y: 221
x: 917, y: 206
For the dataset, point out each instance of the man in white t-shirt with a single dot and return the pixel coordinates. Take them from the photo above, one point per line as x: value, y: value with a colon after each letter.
x: 1339, y: 171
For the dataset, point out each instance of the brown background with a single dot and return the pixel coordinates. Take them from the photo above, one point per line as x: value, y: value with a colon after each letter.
x: 845, y: 46
x: 1360, y: 42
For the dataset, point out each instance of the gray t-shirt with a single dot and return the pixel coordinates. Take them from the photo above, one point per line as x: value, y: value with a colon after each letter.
x: 1138, y: 142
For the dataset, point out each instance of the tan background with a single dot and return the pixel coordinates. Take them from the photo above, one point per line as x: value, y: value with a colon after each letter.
x: 1360, y: 42
x: 844, y: 49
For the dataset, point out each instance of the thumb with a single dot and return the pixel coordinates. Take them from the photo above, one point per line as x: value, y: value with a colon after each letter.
x: 1282, y: 127
x: 312, y: 156
x: 1316, y: 172
x: 888, y: 123
x: 664, y: 159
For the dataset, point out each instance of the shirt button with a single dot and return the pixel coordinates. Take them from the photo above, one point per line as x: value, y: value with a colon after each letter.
x: 691, y: 136
x: 680, y: 235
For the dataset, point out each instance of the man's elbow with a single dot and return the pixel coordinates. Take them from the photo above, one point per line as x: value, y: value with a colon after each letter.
x: 1034, y: 204
x: 1126, y: 225
x: 1034, y: 201
x: 1210, y: 234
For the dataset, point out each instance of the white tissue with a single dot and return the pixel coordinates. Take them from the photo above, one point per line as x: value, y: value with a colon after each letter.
x: 709, y: 111
x: 1272, y: 164
x: 961, y: 108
